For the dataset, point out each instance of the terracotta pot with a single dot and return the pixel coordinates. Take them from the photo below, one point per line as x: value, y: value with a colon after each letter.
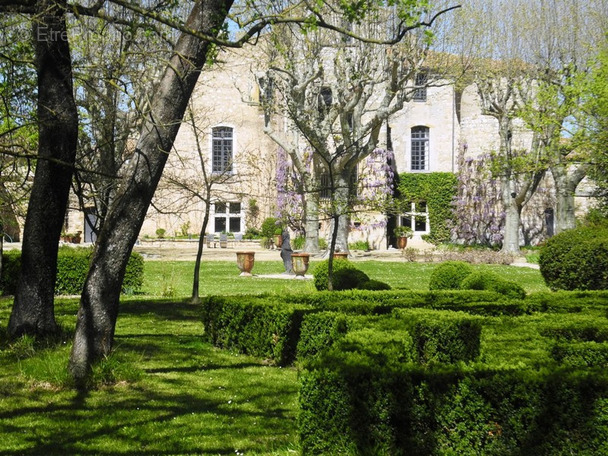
x: 401, y: 242
x: 278, y: 240
x: 245, y: 261
x: 300, y: 264
x: 341, y: 255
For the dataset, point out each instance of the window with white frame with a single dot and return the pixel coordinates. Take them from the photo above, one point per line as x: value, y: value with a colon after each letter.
x: 417, y: 218
x: 222, y: 149
x: 228, y: 217
x: 420, y: 149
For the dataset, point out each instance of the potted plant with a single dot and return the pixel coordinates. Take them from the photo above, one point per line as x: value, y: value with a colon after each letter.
x: 77, y: 237
x: 278, y: 237
x: 403, y: 233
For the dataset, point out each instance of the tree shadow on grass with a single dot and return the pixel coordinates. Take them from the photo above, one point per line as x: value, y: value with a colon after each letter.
x: 193, y: 398
x: 171, y: 416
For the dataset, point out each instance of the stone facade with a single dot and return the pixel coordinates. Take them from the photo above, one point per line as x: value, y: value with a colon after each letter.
x: 425, y: 137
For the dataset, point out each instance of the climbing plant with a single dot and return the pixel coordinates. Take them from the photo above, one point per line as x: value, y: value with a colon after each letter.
x: 478, y: 213
x: 438, y: 190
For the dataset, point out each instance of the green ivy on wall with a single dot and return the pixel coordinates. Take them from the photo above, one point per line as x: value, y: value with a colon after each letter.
x: 438, y: 191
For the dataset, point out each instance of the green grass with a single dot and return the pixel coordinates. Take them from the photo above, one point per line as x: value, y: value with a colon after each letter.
x: 165, y: 391
x: 175, y: 394
x: 174, y: 279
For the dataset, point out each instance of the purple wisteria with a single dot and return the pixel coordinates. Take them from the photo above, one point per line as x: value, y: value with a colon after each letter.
x: 478, y: 212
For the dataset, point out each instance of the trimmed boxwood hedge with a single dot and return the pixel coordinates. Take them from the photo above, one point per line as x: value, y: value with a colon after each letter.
x: 265, y: 327
x: 352, y: 405
x: 581, y: 354
x: 72, y: 270
x: 397, y: 373
x: 486, y: 280
x: 289, y: 327
x: 442, y: 337
x: 437, y: 336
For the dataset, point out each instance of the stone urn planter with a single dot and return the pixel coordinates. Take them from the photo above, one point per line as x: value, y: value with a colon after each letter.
x: 300, y: 264
x: 402, y: 242
x: 245, y: 261
x: 341, y: 255
x: 402, y: 233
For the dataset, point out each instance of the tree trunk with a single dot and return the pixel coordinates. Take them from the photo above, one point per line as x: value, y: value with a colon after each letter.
x: 343, y: 203
x: 565, y: 218
x: 33, y: 308
x: 199, y: 256
x: 512, y: 219
x: 99, y: 302
x: 311, y: 222
x: 565, y: 189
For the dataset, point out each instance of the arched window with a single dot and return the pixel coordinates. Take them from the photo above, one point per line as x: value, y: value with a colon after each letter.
x: 222, y: 150
x: 420, y: 149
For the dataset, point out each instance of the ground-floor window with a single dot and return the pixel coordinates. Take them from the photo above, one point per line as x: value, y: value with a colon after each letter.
x: 228, y: 217
x: 417, y: 218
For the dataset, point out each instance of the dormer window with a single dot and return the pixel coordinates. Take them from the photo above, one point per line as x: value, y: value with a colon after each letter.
x: 420, y: 83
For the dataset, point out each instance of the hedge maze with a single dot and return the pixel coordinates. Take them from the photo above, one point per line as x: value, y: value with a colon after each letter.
x: 446, y: 372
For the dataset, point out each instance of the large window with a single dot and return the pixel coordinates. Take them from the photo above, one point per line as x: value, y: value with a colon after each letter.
x: 417, y: 218
x: 228, y: 217
x: 222, y: 149
x: 420, y: 149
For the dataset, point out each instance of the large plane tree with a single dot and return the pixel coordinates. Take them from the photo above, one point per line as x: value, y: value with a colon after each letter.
x: 338, y: 94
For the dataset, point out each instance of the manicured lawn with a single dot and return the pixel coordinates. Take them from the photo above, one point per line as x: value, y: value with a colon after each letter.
x: 180, y: 396
x: 164, y: 390
x: 174, y: 278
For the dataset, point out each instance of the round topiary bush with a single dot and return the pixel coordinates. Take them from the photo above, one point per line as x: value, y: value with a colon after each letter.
x: 485, y: 280
x: 374, y: 285
x: 449, y: 275
x: 349, y: 279
x: 345, y: 275
x: 576, y: 259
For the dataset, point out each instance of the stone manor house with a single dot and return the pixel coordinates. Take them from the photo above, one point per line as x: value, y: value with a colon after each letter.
x: 224, y: 133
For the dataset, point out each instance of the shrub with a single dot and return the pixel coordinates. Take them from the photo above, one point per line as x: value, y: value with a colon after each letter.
x: 351, y: 406
x: 298, y: 242
x: 11, y: 265
x: 442, y: 337
x: 269, y: 227
x: 349, y: 279
x: 374, y: 285
x: 345, y: 275
x: 264, y: 327
x: 72, y: 270
x: 252, y: 233
x: 320, y: 330
x: 449, y: 275
x: 576, y: 260
x: 489, y: 281
x: 359, y: 245
x: 134, y: 274
x: 581, y: 354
